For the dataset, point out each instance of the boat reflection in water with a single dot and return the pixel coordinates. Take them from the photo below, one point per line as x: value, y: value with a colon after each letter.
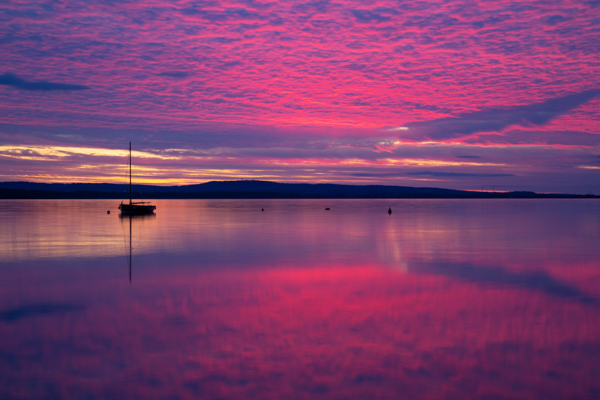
x: 442, y: 300
x: 131, y: 217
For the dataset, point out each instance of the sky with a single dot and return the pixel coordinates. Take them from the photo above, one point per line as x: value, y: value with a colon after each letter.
x: 475, y: 95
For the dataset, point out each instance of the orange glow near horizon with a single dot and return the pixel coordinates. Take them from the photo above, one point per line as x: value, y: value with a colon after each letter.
x: 251, y: 90
x: 189, y: 167
x: 50, y: 152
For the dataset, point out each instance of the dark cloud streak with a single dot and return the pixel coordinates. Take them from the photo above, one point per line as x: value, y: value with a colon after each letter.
x: 175, y: 74
x: 425, y: 173
x: 13, y: 80
x: 494, y: 120
x: 455, y: 174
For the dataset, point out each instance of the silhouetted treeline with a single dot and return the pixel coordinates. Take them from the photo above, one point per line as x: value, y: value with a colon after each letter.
x: 249, y: 190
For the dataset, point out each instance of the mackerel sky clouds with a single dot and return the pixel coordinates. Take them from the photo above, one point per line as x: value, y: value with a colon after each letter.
x: 457, y: 94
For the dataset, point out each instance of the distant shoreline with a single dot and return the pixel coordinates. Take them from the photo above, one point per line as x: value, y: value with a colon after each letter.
x: 248, y: 189
x: 21, y: 194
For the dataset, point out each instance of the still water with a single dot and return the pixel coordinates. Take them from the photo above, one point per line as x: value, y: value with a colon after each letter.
x: 216, y: 299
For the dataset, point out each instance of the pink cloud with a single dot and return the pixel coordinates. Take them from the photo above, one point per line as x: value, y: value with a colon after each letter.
x: 261, y: 75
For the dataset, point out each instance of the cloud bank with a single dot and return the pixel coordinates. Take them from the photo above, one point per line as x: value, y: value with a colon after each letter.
x: 304, y: 91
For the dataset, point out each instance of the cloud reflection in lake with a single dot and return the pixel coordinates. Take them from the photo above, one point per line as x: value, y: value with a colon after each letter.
x: 441, y: 299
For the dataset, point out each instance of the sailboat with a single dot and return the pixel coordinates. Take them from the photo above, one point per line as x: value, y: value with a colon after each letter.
x: 137, y: 208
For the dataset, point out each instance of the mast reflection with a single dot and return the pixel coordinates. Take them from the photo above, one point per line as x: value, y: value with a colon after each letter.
x: 131, y: 217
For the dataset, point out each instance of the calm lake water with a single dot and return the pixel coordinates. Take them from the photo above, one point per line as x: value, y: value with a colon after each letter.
x: 443, y: 299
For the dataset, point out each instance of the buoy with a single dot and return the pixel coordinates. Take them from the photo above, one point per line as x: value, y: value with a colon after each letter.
x: 327, y: 209
x: 108, y: 212
x: 390, y: 211
x: 262, y: 209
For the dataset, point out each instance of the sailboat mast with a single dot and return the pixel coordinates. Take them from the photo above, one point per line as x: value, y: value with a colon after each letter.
x: 130, y: 218
x: 130, y: 173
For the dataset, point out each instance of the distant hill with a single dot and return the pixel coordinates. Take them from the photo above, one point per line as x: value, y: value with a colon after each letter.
x: 243, y: 189
x: 246, y: 186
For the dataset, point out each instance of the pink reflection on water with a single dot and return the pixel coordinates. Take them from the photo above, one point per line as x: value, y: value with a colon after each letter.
x: 325, y: 331
x: 412, y: 314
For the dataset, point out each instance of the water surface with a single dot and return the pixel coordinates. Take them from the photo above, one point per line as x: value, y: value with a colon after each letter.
x: 443, y: 299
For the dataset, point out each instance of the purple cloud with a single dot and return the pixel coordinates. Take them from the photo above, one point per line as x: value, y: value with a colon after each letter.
x: 494, y: 120
x: 13, y: 80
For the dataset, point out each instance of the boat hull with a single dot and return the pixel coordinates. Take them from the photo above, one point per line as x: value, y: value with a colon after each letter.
x: 136, y: 209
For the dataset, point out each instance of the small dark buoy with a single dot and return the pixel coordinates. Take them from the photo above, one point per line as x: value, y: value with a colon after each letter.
x: 262, y: 209
x: 108, y: 212
x: 390, y: 211
x: 327, y: 209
